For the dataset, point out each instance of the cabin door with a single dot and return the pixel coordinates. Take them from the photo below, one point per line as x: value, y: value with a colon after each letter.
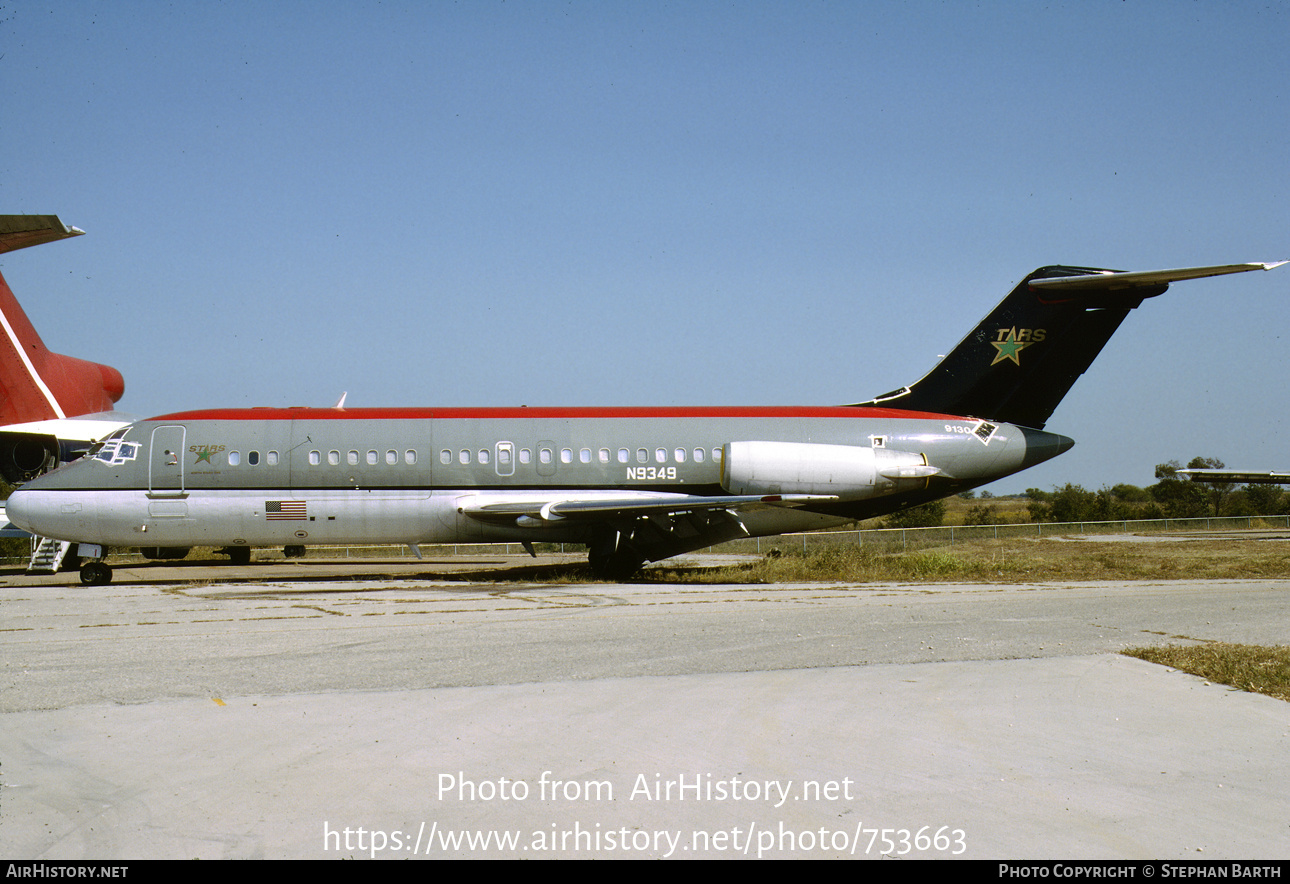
x: 166, y: 461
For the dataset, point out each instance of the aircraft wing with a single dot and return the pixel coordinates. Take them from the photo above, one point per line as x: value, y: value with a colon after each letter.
x: 1255, y: 477
x: 1113, y: 280
x: 626, y: 505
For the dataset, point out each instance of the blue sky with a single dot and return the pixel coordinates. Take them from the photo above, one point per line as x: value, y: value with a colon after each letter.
x: 543, y: 203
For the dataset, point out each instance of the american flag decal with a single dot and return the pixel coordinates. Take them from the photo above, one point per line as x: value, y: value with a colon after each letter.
x: 285, y: 510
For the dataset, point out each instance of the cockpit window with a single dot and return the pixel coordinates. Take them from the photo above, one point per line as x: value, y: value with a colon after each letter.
x: 115, y: 451
x: 96, y: 447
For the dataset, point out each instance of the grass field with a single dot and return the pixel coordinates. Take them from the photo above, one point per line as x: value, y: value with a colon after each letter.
x: 1015, y: 560
x: 1254, y: 668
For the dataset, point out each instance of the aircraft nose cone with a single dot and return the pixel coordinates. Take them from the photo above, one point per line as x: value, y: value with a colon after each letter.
x: 18, y: 511
x: 1041, y: 446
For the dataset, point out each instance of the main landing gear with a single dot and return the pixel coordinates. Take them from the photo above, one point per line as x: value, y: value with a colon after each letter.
x: 613, y: 557
x: 237, y: 555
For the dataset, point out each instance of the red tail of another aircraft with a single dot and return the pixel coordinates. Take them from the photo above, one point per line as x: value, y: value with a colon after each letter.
x: 37, y: 384
x: 39, y: 389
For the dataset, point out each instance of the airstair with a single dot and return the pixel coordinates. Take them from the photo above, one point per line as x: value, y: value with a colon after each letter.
x: 47, y: 555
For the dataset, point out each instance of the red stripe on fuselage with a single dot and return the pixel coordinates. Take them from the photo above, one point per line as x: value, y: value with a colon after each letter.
x: 512, y: 413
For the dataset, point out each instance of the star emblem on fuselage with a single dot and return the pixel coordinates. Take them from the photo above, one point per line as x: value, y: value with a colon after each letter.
x: 1009, y: 347
x: 204, y: 456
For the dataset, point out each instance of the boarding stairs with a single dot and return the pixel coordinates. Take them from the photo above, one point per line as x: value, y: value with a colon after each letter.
x: 47, y: 555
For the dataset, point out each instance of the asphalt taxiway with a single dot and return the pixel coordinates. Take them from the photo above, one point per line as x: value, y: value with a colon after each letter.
x: 389, y: 711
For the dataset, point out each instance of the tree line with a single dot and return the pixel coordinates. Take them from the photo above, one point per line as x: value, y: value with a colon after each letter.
x: 1171, y: 497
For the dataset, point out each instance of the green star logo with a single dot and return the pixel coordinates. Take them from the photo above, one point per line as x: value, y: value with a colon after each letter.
x: 203, y: 454
x: 1008, y: 347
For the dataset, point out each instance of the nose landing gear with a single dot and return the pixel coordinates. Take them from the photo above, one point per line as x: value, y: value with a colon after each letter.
x: 95, y: 574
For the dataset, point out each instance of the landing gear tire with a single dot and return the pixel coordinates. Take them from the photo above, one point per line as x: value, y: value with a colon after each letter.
x: 612, y: 557
x: 294, y: 551
x: 238, y: 555
x: 95, y: 574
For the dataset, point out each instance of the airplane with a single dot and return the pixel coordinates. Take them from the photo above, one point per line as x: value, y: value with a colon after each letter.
x: 52, y: 407
x: 1249, y: 477
x: 634, y: 485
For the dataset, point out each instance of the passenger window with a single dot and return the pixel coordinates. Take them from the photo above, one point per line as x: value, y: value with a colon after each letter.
x: 544, y: 455
x: 566, y: 455
x: 585, y: 455
x: 333, y: 458
x: 253, y: 457
x: 604, y: 455
x: 483, y: 455
x: 525, y: 455
x: 642, y: 456
x: 445, y: 456
x: 622, y: 455
x: 371, y: 457
x: 272, y: 458
x: 352, y: 458
x: 234, y: 458
x: 660, y: 455
x: 409, y: 457
x: 315, y: 458
x: 679, y: 454
x: 698, y: 455
x: 463, y: 456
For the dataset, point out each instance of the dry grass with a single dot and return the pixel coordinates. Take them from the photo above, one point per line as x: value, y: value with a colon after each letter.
x: 1254, y: 668
x: 1006, y: 561
x: 1008, y: 510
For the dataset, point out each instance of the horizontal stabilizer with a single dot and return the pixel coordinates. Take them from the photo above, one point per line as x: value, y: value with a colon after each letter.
x: 1109, y: 280
x: 21, y: 231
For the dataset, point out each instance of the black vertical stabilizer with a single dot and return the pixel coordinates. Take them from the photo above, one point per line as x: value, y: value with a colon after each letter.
x: 1028, y: 352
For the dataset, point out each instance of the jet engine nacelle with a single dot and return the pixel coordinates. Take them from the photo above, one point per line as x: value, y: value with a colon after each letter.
x: 849, y: 471
x: 24, y: 456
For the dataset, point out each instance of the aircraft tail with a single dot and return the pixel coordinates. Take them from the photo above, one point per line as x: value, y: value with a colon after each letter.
x: 1028, y: 352
x: 36, y: 383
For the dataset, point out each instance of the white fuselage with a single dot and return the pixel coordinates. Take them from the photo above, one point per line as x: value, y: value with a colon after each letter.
x: 264, y: 477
